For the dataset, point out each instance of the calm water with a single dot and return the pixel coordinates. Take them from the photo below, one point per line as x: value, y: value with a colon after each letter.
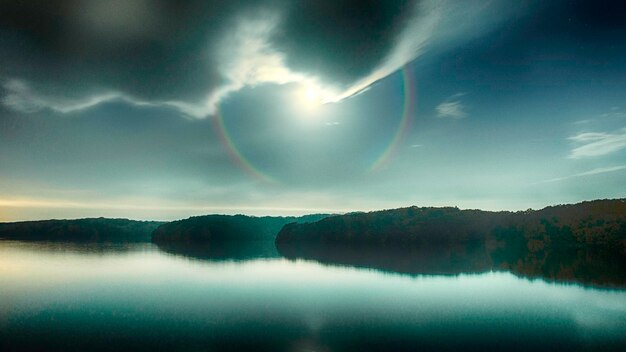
x: 94, y: 297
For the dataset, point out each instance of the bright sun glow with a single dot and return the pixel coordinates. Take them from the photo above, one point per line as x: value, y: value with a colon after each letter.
x: 310, y: 97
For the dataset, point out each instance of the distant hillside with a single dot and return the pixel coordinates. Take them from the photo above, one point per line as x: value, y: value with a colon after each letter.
x: 584, y: 242
x: 83, y: 230
x: 227, y: 228
x: 596, y: 223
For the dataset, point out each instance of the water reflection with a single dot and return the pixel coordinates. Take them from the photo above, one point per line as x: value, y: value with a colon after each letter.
x: 222, y: 251
x: 147, y: 299
x: 589, y: 267
x: 421, y: 260
x: 73, y: 247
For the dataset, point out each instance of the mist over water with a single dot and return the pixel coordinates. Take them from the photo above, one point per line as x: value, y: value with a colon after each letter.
x: 138, y: 297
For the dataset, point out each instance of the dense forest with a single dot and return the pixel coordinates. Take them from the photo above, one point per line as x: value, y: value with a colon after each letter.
x: 227, y: 228
x: 600, y: 223
x: 81, y: 230
x: 584, y: 242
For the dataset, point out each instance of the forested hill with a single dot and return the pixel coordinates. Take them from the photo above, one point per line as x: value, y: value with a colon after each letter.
x: 227, y: 228
x: 600, y: 223
x: 80, y: 230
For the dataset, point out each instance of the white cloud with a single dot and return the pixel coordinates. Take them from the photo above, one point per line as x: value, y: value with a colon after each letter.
x: 21, y: 97
x: 592, y: 144
x: 597, y: 171
x: 434, y: 22
x: 410, y: 44
x: 452, y: 107
x: 247, y: 58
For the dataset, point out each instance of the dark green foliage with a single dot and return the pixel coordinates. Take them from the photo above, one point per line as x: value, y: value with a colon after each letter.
x: 407, y: 225
x: 81, y: 230
x: 558, y: 226
x: 226, y: 228
x: 584, y: 242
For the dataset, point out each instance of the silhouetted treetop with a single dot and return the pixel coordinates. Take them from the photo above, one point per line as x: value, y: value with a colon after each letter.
x: 92, y: 230
x: 227, y: 228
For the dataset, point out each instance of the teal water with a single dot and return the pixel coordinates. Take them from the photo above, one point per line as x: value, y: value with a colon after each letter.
x: 63, y: 297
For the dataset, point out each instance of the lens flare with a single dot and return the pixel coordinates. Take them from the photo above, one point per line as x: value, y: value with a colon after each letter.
x: 312, y: 96
x: 233, y: 152
x: 410, y: 104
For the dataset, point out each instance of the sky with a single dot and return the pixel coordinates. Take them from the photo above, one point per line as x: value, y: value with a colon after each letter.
x: 165, y: 109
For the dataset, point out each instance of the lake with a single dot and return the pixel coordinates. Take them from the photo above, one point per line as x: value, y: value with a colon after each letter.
x: 92, y: 297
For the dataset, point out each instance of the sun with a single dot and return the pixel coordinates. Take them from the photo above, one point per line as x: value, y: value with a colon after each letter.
x: 310, y: 97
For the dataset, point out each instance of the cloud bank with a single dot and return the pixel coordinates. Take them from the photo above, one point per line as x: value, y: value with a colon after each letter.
x: 202, y: 52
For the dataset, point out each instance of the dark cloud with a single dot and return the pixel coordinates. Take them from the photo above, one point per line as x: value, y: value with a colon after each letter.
x: 161, y: 50
x: 557, y: 44
x: 167, y: 50
x: 341, y: 40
